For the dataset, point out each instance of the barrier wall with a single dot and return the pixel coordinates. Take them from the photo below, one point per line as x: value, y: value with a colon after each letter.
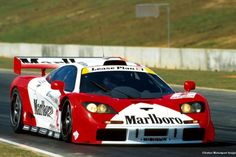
x: 169, y: 58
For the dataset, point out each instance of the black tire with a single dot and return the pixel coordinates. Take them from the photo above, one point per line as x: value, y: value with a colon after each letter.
x: 66, y: 121
x: 16, y: 111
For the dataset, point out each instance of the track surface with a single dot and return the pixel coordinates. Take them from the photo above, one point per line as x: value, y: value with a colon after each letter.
x: 223, y: 110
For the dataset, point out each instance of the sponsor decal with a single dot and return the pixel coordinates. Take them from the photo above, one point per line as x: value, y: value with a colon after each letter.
x: 154, y: 139
x: 50, y: 61
x: 183, y: 95
x: 76, y: 135
x: 152, y: 119
x: 49, y: 95
x: 40, y: 82
x: 112, y: 68
x: 102, y: 68
x: 129, y: 68
x: 56, y: 61
x: 146, y: 108
x: 42, y: 109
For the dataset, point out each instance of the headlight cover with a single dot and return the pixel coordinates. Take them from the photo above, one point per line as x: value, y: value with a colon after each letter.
x: 192, y: 107
x: 95, y: 107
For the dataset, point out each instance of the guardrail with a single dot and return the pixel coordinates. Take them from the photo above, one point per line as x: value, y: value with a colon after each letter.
x: 169, y: 58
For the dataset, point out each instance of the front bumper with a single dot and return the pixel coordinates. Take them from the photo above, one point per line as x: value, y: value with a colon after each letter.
x: 150, y: 135
x: 142, y: 127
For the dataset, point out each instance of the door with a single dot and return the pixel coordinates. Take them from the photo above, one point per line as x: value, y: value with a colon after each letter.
x: 46, y: 105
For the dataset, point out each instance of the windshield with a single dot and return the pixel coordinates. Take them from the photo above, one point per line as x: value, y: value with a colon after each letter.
x: 124, y: 84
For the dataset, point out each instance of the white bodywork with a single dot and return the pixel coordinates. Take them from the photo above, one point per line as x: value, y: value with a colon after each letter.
x: 46, y: 101
x: 145, y: 121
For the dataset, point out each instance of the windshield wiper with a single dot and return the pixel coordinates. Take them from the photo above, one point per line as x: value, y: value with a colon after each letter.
x: 105, y: 89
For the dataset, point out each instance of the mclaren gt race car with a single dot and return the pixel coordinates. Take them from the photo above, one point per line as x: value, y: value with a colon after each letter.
x: 105, y: 101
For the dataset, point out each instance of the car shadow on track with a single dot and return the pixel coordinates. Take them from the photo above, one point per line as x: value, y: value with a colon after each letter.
x: 213, y: 144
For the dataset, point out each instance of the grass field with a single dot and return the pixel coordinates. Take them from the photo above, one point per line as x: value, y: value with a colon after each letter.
x: 193, y: 23
x: 7, y: 150
x: 6, y: 63
x: 225, y: 80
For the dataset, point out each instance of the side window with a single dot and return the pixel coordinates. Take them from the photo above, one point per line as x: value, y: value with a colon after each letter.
x: 67, y: 74
x: 70, y: 79
x: 51, y: 76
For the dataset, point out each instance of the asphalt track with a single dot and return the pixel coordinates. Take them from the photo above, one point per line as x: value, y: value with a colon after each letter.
x: 223, y: 110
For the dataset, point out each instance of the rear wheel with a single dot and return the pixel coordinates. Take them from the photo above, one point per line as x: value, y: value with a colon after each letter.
x: 66, y: 121
x: 16, y: 111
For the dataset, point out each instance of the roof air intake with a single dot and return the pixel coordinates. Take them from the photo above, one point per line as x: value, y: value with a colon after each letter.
x: 115, y: 62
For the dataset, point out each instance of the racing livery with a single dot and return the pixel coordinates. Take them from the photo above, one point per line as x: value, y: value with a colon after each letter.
x: 105, y: 101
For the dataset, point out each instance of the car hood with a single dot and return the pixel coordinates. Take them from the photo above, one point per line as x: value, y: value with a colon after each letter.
x: 164, y: 111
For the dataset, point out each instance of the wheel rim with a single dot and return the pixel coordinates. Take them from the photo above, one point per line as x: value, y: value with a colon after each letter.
x: 66, y: 127
x: 16, y: 110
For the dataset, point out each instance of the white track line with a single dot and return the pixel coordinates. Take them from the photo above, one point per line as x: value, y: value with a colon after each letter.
x: 30, y: 148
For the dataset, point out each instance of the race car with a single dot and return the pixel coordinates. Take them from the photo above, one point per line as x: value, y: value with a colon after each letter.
x: 105, y: 101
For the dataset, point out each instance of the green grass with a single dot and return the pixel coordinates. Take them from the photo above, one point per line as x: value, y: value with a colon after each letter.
x: 225, y: 80
x: 6, y: 63
x: 204, y: 24
x: 7, y: 150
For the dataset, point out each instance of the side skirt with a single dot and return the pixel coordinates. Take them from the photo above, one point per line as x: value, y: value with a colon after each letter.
x: 42, y: 131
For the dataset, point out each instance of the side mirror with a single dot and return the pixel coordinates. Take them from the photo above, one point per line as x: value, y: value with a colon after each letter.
x: 58, y: 85
x: 189, y: 85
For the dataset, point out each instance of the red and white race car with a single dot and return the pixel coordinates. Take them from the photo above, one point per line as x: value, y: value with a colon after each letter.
x: 106, y: 101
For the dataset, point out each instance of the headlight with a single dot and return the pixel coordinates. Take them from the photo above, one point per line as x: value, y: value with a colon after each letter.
x: 193, y: 107
x: 102, y: 108
x: 197, y: 107
x: 92, y: 107
x: 98, y: 107
x: 186, y: 108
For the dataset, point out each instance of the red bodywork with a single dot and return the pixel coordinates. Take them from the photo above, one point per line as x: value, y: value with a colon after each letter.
x: 87, y: 123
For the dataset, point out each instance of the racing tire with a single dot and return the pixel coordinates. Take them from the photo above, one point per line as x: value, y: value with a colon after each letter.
x: 66, y: 121
x: 16, y: 111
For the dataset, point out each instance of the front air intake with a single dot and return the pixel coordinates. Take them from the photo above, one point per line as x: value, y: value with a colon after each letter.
x: 193, y: 134
x: 111, y: 134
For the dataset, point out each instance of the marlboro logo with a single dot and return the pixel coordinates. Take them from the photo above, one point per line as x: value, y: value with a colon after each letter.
x: 152, y: 119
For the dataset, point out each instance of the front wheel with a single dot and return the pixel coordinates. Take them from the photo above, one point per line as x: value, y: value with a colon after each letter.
x: 66, y: 121
x: 16, y: 111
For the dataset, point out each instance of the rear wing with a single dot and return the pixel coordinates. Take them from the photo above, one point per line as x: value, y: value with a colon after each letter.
x: 35, y: 63
x: 44, y: 63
